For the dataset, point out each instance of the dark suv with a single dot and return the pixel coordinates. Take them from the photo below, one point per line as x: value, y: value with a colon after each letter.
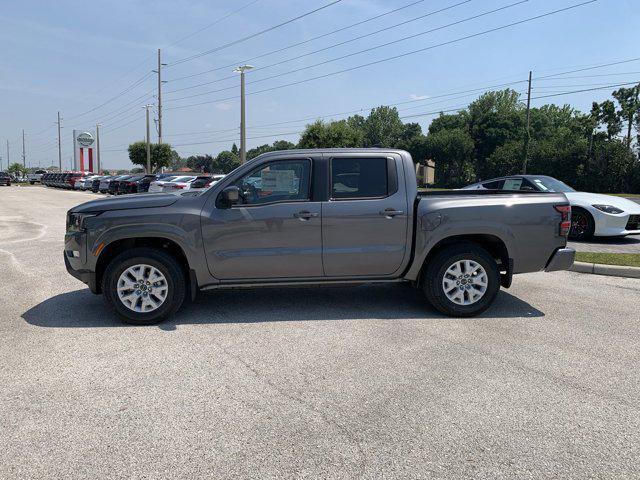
x: 5, y: 179
x: 136, y: 184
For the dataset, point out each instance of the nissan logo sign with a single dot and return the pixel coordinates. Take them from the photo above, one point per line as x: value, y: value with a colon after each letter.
x: 85, y: 139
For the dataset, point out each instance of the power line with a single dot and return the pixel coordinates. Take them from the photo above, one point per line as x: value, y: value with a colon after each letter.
x: 224, y: 17
x: 474, y: 17
x: 394, y: 57
x: 587, y: 90
x: 293, y: 45
x: 590, y: 67
x: 254, y: 35
x: 128, y: 89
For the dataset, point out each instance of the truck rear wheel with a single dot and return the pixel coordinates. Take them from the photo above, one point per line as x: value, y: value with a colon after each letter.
x: 144, y: 285
x: 462, y: 280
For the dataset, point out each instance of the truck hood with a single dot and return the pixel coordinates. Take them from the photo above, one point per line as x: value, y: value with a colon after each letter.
x: 585, y: 199
x: 126, y: 202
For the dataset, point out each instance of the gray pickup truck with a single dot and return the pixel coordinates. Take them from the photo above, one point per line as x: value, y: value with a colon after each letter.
x: 314, y: 217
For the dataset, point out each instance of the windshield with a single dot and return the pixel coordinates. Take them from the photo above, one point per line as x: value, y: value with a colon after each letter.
x: 548, y: 184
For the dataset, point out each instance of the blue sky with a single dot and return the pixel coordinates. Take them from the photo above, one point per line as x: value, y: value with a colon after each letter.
x: 79, y: 58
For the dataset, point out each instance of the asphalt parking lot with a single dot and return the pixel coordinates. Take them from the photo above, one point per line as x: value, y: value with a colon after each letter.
x: 363, y: 382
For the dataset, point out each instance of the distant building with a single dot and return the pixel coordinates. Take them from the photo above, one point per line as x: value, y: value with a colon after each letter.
x: 426, y: 173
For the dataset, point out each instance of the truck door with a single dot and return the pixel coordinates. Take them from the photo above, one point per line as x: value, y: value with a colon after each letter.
x: 274, y: 232
x: 365, y: 220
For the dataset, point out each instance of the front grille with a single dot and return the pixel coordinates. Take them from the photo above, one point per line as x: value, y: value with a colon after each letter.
x: 634, y: 222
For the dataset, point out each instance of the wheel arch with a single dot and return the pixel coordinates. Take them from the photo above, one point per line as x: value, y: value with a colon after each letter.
x: 109, y: 251
x: 494, y: 245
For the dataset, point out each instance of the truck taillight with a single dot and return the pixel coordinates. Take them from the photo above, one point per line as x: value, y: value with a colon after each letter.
x: 565, y: 224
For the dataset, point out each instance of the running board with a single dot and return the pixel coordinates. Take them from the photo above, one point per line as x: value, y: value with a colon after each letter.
x: 300, y: 283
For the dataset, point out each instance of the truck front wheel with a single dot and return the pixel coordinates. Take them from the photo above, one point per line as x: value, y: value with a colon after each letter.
x: 462, y: 280
x: 144, y: 285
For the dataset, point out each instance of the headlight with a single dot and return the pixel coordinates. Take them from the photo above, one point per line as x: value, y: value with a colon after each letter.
x: 75, y: 221
x: 608, y: 208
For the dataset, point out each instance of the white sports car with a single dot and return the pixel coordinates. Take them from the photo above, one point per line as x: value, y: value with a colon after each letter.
x: 592, y: 214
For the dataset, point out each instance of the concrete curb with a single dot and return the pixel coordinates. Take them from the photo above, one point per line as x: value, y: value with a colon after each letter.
x: 610, y: 270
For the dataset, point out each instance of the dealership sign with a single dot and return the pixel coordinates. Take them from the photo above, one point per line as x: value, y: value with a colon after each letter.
x: 85, y: 139
x: 83, y: 150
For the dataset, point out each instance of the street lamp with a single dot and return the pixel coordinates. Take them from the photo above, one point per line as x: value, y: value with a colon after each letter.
x: 243, y: 142
x: 99, y: 167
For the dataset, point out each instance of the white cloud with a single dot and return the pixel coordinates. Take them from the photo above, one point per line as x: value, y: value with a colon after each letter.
x: 223, y: 106
x: 415, y: 96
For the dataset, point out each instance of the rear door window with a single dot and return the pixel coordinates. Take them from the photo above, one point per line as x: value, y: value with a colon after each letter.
x: 359, y: 178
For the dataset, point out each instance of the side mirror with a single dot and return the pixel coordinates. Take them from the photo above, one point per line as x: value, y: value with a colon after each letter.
x: 527, y: 188
x: 229, y: 196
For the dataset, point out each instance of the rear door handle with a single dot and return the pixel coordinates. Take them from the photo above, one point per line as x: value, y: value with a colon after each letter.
x: 305, y: 215
x: 390, y: 212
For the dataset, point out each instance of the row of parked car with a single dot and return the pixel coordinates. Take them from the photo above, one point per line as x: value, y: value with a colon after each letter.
x: 133, y: 183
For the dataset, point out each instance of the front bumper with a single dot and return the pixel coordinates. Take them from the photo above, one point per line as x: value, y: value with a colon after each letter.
x: 85, y: 276
x: 611, y: 225
x: 562, y: 259
x: 75, y: 259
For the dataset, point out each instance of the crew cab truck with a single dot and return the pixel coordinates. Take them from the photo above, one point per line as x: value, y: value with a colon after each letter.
x: 314, y: 217
x: 35, y: 177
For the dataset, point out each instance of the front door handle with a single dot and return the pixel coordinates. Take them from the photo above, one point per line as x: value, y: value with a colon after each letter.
x: 305, y: 215
x: 390, y: 212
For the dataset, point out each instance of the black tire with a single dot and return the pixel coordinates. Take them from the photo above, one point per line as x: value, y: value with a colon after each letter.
x: 437, y: 267
x: 167, y: 265
x: 582, y: 225
x: 32, y: 183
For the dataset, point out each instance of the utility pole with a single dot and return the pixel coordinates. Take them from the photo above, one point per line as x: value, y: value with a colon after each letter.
x: 528, y: 135
x: 98, y: 166
x: 59, y: 145
x: 243, y: 140
x: 24, y: 157
x: 159, y: 71
x: 148, y: 141
x: 7, y: 153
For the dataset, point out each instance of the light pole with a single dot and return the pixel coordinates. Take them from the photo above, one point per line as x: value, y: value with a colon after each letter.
x: 59, y: 144
x: 99, y: 167
x: 146, y: 107
x: 243, y: 142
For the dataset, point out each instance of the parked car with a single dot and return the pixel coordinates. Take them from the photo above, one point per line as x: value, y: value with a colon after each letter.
x: 88, y: 182
x: 70, y: 179
x: 592, y: 214
x: 205, y: 181
x: 104, y: 183
x: 135, y: 184
x: 147, y: 253
x: 156, y: 185
x: 5, y: 179
x: 179, y: 183
x: 95, y: 183
x: 114, y: 184
x: 35, y: 177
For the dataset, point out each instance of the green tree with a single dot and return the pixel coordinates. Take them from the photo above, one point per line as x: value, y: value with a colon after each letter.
x: 17, y: 169
x: 383, y: 128
x: 200, y: 163
x: 225, y: 162
x: 629, y: 101
x: 452, y: 151
x: 161, y: 155
x: 328, y: 135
